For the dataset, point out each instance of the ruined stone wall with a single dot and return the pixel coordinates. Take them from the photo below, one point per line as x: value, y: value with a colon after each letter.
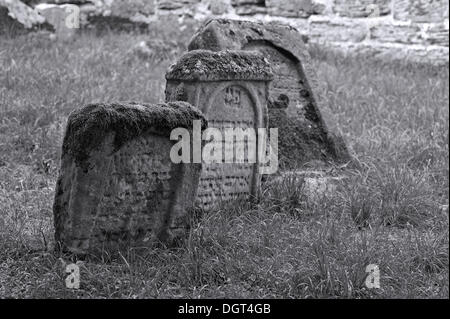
x: 414, y: 30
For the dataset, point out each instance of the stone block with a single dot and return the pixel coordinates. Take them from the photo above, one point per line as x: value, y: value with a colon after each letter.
x: 408, y: 34
x: 421, y: 10
x: 304, y: 135
x: 337, y: 30
x: 64, y: 18
x: 436, y: 34
x: 362, y: 8
x: 219, y: 7
x: 118, y: 186
x: 20, y: 12
x: 175, y: 4
x: 230, y: 88
x: 249, y: 7
x: 290, y: 8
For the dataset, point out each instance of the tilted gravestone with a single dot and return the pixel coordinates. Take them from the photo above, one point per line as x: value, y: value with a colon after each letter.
x: 305, y: 140
x: 230, y: 88
x: 118, y: 186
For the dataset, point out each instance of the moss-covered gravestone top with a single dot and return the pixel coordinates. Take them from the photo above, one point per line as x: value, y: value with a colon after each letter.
x: 118, y: 186
x: 230, y: 88
x: 304, y: 137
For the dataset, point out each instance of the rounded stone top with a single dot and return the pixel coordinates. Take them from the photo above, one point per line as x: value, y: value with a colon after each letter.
x: 88, y: 126
x: 205, y: 65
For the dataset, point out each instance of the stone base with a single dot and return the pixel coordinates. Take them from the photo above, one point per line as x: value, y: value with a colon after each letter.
x: 317, y: 184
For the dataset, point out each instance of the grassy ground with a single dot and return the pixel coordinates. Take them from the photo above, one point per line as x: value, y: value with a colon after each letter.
x: 390, y: 212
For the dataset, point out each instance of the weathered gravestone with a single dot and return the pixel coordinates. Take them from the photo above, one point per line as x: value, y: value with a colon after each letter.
x: 64, y: 18
x: 305, y: 140
x: 117, y: 186
x: 230, y: 88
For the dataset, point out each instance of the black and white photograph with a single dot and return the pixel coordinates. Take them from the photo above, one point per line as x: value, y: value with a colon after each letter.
x: 224, y: 155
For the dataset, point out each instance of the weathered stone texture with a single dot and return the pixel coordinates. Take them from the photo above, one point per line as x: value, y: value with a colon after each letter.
x: 290, y: 8
x: 237, y: 3
x: 278, y: 8
x: 437, y: 34
x: 433, y: 55
x: 8, y: 24
x: 407, y: 34
x: 304, y: 135
x: 421, y: 10
x: 117, y: 186
x: 219, y: 7
x: 203, y: 65
x: 22, y: 13
x: 362, y: 8
x: 232, y: 95
x: 65, y: 19
x: 369, y: 22
x: 121, y: 8
x: 175, y: 4
x: 428, y: 55
x: 337, y: 30
x: 249, y: 7
x: 126, y: 8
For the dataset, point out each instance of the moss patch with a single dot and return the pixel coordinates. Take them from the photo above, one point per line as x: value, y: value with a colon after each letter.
x: 88, y: 126
x: 301, y: 144
x: 204, y: 65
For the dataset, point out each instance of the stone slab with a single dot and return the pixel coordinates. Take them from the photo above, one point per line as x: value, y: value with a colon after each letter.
x: 118, y: 187
x: 304, y: 135
x: 230, y: 88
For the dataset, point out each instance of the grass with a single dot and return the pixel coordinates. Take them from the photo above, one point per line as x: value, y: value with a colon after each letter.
x: 390, y: 211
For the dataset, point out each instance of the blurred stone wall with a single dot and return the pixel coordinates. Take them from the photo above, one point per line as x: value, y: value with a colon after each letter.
x: 414, y: 30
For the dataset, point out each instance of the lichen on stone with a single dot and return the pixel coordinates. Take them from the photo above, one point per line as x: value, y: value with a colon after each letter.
x: 205, y: 65
x: 87, y: 127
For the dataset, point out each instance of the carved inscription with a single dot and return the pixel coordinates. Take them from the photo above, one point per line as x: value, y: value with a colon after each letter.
x: 233, y: 97
x: 136, y: 192
x: 233, y: 176
x: 287, y: 81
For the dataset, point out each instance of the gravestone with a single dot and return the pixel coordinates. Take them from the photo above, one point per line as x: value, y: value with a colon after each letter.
x: 64, y: 18
x: 305, y: 139
x: 117, y: 186
x: 230, y: 88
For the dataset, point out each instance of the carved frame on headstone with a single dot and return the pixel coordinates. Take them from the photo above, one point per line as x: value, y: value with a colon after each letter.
x: 205, y: 79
